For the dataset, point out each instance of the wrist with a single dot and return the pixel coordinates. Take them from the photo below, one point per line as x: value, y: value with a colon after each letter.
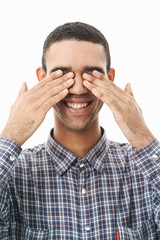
x: 142, y: 141
x: 10, y: 135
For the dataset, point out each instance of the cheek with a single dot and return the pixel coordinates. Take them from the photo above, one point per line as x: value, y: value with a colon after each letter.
x: 98, y: 102
x: 57, y: 108
x: 99, y: 105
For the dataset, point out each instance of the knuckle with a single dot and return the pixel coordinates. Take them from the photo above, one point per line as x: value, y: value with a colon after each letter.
x: 128, y: 104
x: 112, y: 102
x: 59, y: 95
x: 48, y: 86
x: 49, y: 102
x: 64, y: 77
x: 101, y: 95
x: 108, y: 83
x: 108, y: 86
x: 129, y: 100
x: 42, y: 83
x: 52, y: 76
x: 66, y: 84
x: 51, y: 90
x: 63, y: 85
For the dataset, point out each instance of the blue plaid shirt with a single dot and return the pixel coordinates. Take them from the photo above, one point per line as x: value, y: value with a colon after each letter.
x: 48, y: 193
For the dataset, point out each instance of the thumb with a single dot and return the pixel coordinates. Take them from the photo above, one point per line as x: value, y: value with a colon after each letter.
x: 128, y: 89
x: 24, y: 88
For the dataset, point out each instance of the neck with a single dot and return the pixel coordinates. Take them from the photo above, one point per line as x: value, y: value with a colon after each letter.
x: 77, y: 142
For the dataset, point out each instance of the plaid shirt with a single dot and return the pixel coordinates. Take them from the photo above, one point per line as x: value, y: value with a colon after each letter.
x: 49, y: 193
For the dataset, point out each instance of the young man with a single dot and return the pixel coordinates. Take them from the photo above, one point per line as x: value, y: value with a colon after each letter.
x: 78, y: 184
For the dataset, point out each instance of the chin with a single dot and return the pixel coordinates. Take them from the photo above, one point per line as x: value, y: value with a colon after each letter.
x: 75, y: 124
x: 77, y: 127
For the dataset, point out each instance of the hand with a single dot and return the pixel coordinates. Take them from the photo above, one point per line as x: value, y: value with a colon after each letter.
x: 126, y: 111
x: 31, y: 106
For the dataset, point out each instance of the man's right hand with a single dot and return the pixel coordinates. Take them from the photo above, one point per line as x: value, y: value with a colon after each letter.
x: 31, y: 106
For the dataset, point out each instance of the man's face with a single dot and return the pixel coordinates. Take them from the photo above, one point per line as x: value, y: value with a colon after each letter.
x: 80, y: 108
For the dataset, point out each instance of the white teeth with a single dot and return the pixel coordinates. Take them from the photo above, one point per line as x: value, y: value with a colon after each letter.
x: 77, y: 105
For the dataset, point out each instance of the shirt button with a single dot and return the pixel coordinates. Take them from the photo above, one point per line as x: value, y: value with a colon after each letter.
x: 83, y: 191
x: 81, y: 165
x: 155, y: 157
x: 12, y: 158
x: 87, y: 228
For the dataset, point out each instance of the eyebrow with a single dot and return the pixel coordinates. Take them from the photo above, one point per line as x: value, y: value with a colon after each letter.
x: 64, y: 69
x: 92, y: 68
x: 86, y: 68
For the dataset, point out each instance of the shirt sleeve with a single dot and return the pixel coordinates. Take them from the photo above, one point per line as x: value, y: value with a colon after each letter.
x: 147, y: 160
x: 9, y: 152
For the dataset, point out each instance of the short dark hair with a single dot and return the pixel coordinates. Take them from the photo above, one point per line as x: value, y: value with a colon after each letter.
x: 76, y: 31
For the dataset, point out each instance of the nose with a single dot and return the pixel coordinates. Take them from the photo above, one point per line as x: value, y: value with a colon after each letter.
x: 78, y: 88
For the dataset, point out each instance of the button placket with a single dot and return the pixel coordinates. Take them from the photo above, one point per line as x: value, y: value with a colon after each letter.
x: 83, y: 191
x: 81, y: 165
x: 87, y: 228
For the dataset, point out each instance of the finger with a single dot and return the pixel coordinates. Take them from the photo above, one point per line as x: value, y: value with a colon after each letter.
x: 40, y: 85
x: 49, y: 83
x: 105, y: 87
x: 65, y: 85
x: 113, y: 101
x: 51, y: 92
x: 98, y: 78
x: 98, y: 91
x: 58, y: 77
x: 88, y: 77
x: 95, y: 74
x: 101, y: 83
x: 61, y: 80
x: 108, y: 95
x: 99, y: 75
x: 101, y: 89
x: 51, y: 77
x: 128, y: 89
x: 23, y: 89
x: 50, y: 102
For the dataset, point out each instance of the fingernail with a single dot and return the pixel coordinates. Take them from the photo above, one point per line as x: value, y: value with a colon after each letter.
x: 70, y: 80
x: 87, y: 76
x: 70, y: 74
x: 58, y: 72
x: 85, y: 82
x: 96, y: 73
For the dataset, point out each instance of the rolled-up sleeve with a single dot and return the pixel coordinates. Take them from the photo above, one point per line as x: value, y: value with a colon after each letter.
x: 9, y: 152
x: 147, y: 160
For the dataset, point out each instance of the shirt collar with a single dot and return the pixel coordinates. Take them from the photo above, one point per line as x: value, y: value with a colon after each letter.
x: 63, y: 158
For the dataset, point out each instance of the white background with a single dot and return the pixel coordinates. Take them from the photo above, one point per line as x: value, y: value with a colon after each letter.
x: 131, y: 27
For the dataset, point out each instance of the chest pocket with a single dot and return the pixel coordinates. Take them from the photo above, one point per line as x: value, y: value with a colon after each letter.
x: 31, y: 234
x: 145, y: 232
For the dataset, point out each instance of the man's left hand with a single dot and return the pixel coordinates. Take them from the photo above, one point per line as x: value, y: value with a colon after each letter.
x: 126, y: 111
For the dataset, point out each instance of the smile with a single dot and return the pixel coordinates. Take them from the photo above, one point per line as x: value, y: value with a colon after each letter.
x: 77, y: 105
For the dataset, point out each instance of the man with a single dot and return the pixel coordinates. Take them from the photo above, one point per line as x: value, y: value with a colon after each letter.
x: 78, y: 184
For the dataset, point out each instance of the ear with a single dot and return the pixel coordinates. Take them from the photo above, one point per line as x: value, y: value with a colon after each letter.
x: 40, y: 73
x: 111, y: 74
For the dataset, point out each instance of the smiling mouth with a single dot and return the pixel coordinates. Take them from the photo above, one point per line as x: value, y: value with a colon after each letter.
x: 77, y: 105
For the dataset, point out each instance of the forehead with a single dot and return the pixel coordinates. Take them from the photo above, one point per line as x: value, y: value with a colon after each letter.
x: 76, y: 54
